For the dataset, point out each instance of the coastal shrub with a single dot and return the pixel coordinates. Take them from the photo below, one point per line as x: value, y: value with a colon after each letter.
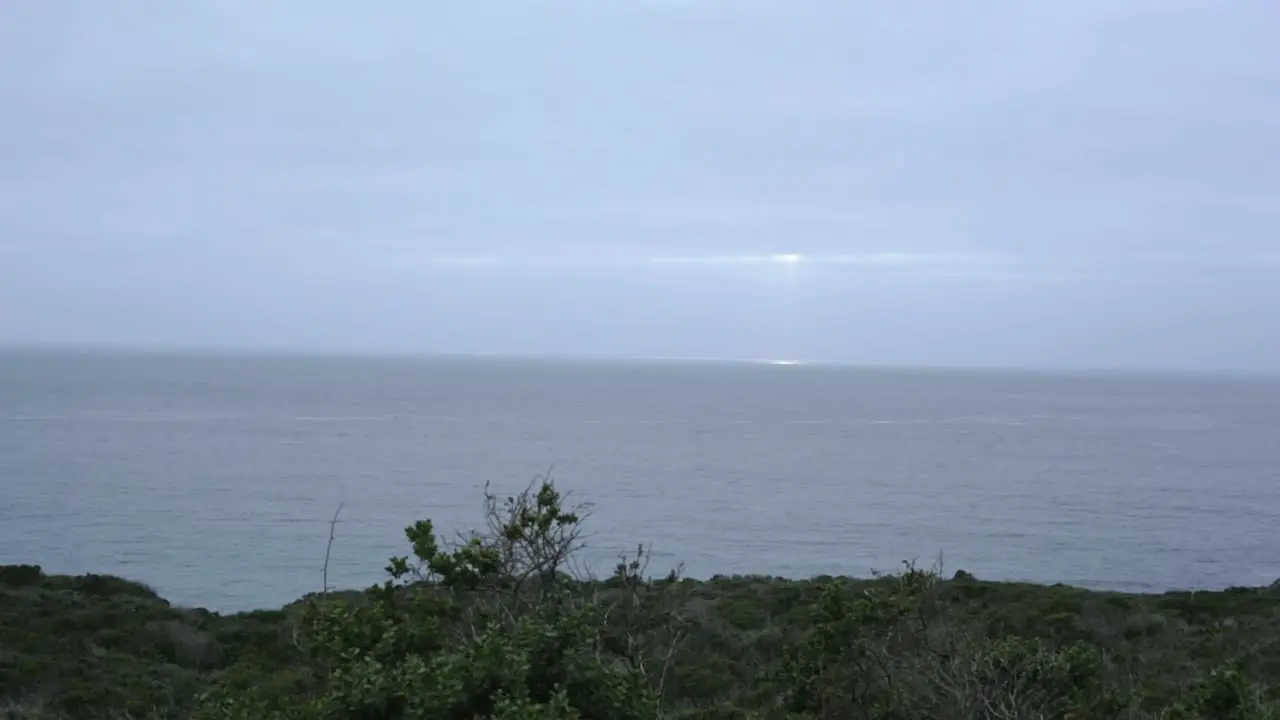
x: 21, y: 575
x: 490, y: 626
x: 502, y: 623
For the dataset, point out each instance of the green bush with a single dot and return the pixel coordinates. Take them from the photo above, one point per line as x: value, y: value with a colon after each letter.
x: 489, y: 627
x: 497, y: 624
x: 21, y: 575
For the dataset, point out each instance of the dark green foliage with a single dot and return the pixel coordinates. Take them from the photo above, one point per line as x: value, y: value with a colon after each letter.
x: 78, y: 646
x: 485, y: 627
x: 20, y: 575
x: 496, y: 625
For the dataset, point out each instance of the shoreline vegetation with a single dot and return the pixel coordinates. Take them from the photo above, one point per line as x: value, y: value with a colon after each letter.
x: 498, y: 624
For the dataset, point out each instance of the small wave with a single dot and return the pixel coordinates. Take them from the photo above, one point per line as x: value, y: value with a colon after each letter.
x: 153, y: 418
x: 628, y: 421
x: 341, y: 418
x: 1007, y: 422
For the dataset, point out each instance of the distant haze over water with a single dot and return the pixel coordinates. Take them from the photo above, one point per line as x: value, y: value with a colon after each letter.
x: 213, y: 477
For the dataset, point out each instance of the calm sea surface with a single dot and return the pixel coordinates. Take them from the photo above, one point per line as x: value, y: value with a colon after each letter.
x: 213, y: 478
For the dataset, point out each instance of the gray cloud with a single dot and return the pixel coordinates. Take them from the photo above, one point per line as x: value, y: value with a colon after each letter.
x: 1087, y: 183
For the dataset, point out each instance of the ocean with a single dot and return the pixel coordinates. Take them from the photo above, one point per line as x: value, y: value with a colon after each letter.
x: 214, y: 478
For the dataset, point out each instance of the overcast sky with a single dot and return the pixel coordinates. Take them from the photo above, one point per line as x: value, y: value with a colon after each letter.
x: 1088, y: 183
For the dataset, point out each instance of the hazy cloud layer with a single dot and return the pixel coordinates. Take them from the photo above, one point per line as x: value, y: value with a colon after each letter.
x: 1090, y: 183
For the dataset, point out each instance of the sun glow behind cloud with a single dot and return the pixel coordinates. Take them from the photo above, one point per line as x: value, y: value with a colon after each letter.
x: 764, y: 259
x: 791, y: 266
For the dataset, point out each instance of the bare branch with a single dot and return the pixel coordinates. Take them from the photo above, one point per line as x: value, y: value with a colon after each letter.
x: 329, y: 548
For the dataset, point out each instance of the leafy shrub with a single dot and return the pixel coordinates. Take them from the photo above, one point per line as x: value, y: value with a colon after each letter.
x: 500, y: 624
x: 486, y: 627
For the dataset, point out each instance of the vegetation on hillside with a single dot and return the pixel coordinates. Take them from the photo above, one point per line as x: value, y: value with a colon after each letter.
x: 499, y: 625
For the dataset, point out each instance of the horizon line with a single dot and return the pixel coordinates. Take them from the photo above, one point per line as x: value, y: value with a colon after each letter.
x: 791, y: 362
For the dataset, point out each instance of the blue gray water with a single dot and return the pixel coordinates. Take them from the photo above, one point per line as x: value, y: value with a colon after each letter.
x: 213, y: 478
